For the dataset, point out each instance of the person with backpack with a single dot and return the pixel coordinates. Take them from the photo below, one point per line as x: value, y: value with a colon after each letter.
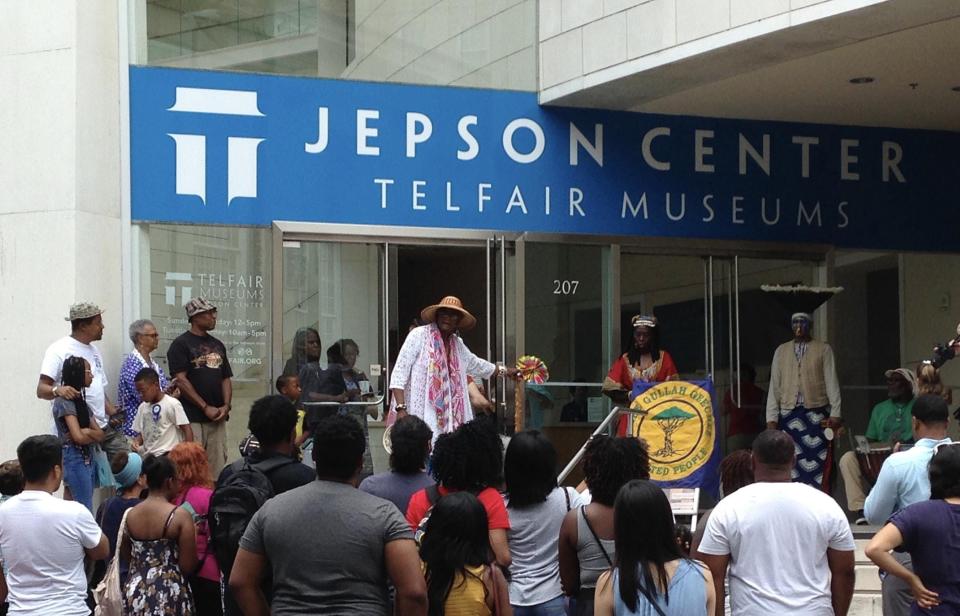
x: 196, y: 490
x: 330, y: 546
x: 244, y: 486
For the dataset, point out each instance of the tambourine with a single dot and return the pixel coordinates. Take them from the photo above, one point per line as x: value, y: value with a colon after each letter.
x: 387, y: 443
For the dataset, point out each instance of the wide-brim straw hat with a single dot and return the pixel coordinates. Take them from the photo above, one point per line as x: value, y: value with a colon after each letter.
x: 467, y: 320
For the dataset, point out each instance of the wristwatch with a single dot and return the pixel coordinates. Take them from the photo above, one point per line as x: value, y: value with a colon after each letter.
x: 401, y: 407
x: 54, y: 391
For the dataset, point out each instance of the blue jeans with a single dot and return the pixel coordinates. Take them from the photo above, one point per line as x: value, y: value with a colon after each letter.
x: 553, y: 607
x: 80, y: 476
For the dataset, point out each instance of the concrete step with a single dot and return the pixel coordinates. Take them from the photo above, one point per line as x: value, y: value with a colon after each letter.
x: 866, y: 595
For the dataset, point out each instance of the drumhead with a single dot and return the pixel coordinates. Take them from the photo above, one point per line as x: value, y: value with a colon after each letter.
x: 387, y: 443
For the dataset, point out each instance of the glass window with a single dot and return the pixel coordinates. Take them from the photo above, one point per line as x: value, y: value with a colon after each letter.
x: 334, y: 289
x: 230, y: 267
x: 672, y: 289
x: 437, y: 42
x: 332, y: 315
x: 566, y: 326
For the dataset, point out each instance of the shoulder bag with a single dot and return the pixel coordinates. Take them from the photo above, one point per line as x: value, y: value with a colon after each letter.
x: 108, y: 594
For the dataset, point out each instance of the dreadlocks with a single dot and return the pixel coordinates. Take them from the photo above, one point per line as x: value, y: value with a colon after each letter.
x: 736, y: 471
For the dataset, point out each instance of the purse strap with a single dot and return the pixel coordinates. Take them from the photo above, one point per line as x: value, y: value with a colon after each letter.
x: 120, y: 532
x: 499, y: 609
x: 596, y: 537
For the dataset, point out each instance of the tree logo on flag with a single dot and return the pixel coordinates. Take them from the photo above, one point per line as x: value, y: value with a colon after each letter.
x: 669, y: 421
x: 675, y: 418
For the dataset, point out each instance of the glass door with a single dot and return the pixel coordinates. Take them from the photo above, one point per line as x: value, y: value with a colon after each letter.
x: 333, y: 292
x: 479, y: 273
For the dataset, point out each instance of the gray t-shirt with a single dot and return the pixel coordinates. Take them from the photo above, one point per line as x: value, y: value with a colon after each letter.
x: 325, y: 544
x: 534, y: 536
x: 396, y: 487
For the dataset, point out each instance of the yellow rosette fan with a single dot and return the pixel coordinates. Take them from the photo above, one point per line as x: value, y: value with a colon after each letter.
x: 532, y: 370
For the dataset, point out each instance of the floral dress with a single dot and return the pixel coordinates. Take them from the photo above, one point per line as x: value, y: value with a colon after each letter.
x: 155, y: 585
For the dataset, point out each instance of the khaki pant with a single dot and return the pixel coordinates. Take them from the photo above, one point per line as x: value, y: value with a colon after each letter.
x: 853, y: 481
x: 213, y: 437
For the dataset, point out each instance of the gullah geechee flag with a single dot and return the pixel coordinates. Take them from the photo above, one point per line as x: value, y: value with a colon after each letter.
x: 679, y: 424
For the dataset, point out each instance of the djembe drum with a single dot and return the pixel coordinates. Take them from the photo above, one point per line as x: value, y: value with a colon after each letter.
x: 870, y: 462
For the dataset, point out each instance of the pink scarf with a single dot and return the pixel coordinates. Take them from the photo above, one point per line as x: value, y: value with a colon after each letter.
x: 445, y: 386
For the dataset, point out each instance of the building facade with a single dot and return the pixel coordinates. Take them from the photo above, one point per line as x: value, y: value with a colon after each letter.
x: 560, y: 165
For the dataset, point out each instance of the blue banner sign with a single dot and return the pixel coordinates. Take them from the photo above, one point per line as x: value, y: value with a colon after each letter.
x: 245, y: 149
x: 678, y: 421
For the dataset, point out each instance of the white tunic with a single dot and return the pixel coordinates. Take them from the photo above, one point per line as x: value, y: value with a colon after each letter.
x: 410, y: 375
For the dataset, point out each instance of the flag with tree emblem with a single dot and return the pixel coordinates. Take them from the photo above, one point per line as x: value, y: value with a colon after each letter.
x: 678, y: 422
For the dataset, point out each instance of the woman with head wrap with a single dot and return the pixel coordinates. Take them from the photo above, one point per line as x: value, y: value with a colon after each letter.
x: 128, y: 471
x: 643, y: 362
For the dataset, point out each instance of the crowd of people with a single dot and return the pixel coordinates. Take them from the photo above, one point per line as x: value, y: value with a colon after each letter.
x: 459, y: 524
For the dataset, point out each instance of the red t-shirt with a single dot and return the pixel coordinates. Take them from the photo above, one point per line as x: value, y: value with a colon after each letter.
x: 490, y: 499
x: 750, y: 416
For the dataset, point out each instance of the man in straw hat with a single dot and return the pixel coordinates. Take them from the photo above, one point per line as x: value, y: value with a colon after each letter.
x: 429, y: 379
x: 890, y: 423
x: 86, y: 327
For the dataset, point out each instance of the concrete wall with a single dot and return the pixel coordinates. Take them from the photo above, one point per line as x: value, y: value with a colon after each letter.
x: 480, y: 43
x: 584, y: 43
x: 60, y: 204
x: 931, y: 300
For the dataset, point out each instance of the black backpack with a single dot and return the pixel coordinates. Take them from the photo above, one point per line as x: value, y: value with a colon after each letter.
x: 234, y: 501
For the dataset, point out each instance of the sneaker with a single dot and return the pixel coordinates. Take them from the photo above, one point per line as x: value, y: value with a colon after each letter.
x: 861, y: 521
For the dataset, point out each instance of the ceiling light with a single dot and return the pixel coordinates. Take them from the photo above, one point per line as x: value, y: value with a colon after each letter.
x: 859, y: 80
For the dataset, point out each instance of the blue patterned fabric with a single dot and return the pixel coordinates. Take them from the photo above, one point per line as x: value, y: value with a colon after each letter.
x: 812, y: 447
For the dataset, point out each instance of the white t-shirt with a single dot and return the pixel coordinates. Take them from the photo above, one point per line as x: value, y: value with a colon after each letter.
x: 777, y: 535
x: 52, y: 366
x: 157, y: 423
x: 534, y: 536
x: 43, y: 539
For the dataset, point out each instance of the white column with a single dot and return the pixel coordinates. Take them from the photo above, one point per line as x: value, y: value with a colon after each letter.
x: 59, y: 193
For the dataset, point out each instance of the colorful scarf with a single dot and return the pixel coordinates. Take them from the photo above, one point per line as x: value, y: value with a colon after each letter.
x: 445, y: 386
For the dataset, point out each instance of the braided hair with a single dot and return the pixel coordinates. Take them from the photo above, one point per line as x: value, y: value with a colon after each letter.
x: 74, y: 374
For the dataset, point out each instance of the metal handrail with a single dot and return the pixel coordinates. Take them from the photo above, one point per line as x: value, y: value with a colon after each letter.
x: 579, y: 455
x: 374, y: 402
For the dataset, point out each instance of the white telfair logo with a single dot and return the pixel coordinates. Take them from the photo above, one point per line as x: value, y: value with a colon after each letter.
x: 170, y: 290
x: 192, y: 149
